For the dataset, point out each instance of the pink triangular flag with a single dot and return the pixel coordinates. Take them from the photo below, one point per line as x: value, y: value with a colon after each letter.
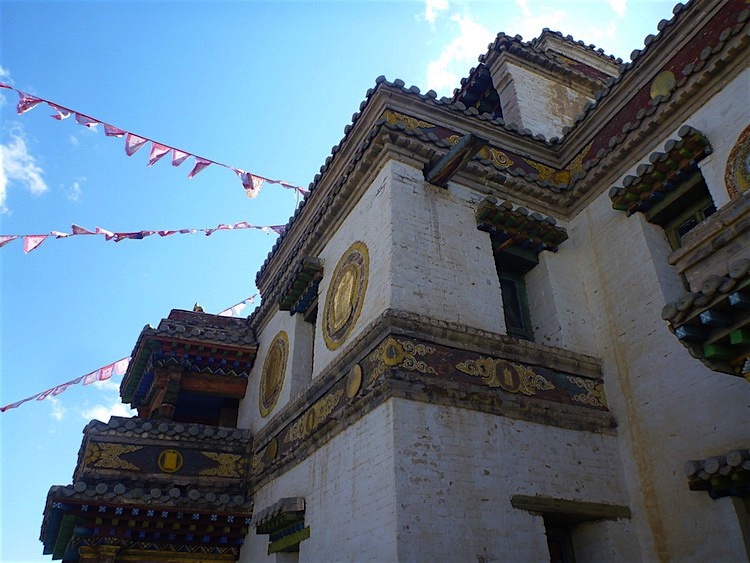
x: 62, y: 113
x: 78, y: 230
x: 58, y: 234
x: 18, y: 403
x: 108, y: 235
x: 178, y: 157
x: 86, y: 121
x: 208, y: 232
x: 106, y: 372
x: 278, y: 229
x: 44, y: 394
x: 157, y: 151
x: 4, y: 85
x: 30, y: 242
x: 165, y: 233
x: 27, y: 102
x: 133, y: 143
x: 200, y: 164
x: 112, y: 131
x: 224, y: 227
x: 251, y: 183
x: 5, y: 239
x: 121, y: 366
x: 89, y: 378
x: 243, y: 225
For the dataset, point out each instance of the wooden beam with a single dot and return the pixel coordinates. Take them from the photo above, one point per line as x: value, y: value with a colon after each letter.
x: 454, y: 160
x: 546, y: 505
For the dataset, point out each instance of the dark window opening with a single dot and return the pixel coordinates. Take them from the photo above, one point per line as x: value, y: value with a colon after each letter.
x: 512, y: 264
x: 559, y: 542
x: 683, y: 209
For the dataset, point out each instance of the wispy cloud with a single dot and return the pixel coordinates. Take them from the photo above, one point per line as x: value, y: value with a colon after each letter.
x: 18, y: 166
x: 459, y: 55
x: 532, y: 20
x: 110, y: 405
x: 74, y: 140
x: 58, y: 409
x: 4, y: 77
x: 74, y: 191
x: 432, y: 8
x: 619, y: 7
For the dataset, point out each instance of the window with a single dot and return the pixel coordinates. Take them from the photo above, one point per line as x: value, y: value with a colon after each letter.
x: 683, y: 209
x: 511, y: 264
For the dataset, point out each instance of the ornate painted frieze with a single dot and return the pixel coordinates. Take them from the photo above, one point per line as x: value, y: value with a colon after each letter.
x: 393, y: 117
x: 429, y: 371
x: 272, y: 377
x: 509, y: 376
x: 346, y: 294
x: 107, y: 456
x: 564, y: 176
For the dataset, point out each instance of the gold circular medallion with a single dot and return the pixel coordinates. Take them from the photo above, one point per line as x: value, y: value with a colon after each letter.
x: 663, y: 84
x: 345, y: 295
x: 274, y: 369
x: 310, y: 420
x: 354, y: 381
x: 170, y: 461
x: 737, y: 175
x: 272, y: 449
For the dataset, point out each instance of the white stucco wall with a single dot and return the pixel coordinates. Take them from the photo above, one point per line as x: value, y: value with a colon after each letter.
x: 349, y: 489
x: 670, y: 408
x: 456, y: 471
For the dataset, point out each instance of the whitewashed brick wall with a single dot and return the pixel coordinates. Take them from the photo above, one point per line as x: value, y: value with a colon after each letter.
x: 348, y: 485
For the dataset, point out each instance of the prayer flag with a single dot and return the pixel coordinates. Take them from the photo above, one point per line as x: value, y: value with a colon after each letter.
x: 78, y: 230
x: 157, y: 151
x: 5, y: 239
x: 62, y: 113
x: 86, y: 121
x: 178, y: 157
x: 200, y: 164
x: 133, y: 143
x: 26, y: 102
x: 32, y: 241
x: 112, y: 131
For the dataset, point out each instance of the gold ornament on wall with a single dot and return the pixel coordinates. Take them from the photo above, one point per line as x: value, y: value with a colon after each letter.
x: 107, y: 456
x: 345, y: 295
x: 513, y: 378
x: 737, y: 175
x: 274, y: 369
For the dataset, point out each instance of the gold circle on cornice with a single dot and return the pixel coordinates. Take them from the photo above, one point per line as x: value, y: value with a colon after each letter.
x: 345, y: 295
x: 663, y: 84
x: 170, y: 461
x: 354, y: 381
x: 272, y: 449
x: 737, y: 175
x: 310, y: 420
x: 272, y: 377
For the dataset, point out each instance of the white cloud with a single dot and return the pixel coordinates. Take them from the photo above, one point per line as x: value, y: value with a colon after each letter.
x: 454, y: 62
x: 19, y: 166
x: 105, y: 410
x: 74, y: 140
x: 432, y: 8
x: 74, y: 192
x: 58, y: 410
x: 111, y: 404
x: 532, y: 21
x: 619, y: 7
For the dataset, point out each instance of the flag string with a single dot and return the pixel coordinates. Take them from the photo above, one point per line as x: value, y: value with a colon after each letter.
x: 250, y: 182
x: 115, y: 368
x: 31, y: 242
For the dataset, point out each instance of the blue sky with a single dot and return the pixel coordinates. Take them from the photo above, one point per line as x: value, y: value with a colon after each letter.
x: 266, y: 87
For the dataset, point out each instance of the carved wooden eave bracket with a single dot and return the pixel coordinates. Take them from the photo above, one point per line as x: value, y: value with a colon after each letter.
x: 440, y: 173
x: 518, y: 227
x: 284, y: 521
x: 714, y: 323
x: 721, y: 476
x: 301, y: 289
x: 655, y: 181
